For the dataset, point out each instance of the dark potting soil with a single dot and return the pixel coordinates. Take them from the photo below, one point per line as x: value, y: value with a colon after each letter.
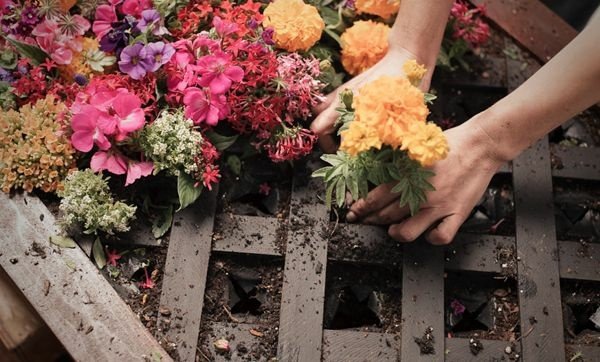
x: 481, y: 306
x: 242, y: 291
x: 577, y: 209
x: 581, y: 312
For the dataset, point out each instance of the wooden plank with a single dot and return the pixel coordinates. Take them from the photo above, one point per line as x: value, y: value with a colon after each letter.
x: 579, y: 261
x: 532, y: 24
x: 185, y: 274
x: 367, y: 244
x: 67, y: 290
x: 474, y: 252
x: 247, y: 234
x: 458, y: 350
x: 345, y: 345
x: 577, y: 162
x: 422, y: 300
x: 303, y: 292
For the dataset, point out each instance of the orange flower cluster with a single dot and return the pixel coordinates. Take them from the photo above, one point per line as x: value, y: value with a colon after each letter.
x: 391, y: 111
x: 34, y: 153
x: 297, y: 26
x: 363, y: 45
x: 414, y: 72
x: 383, y: 8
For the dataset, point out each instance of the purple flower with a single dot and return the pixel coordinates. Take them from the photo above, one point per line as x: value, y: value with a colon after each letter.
x: 267, y: 36
x: 80, y: 79
x: 113, y: 41
x: 457, y: 307
x: 159, y: 53
x: 151, y: 19
x: 135, y: 61
x: 29, y: 16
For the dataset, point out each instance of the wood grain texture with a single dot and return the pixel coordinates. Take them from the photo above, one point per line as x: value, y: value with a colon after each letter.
x: 577, y: 162
x: 302, y: 299
x: 422, y: 299
x: 346, y: 345
x: 247, y: 234
x: 458, y: 350
x: 185, y: 274
x: 67, y: 290
x: 474, y: 252
x: 532, y: 24
x: 579, y: 261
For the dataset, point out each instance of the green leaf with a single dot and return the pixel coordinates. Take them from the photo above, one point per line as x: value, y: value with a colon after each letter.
x: 352, y: 185
x: 321, y: 172
x: 63, y: 241
x: 340, y: 192
x: 163, y: 222
x: 71, y: 264
x: 186, y: 190
x: 333, y: 160
x: 35, y: 54
x: 329, y: 194
x: 429, y: 98
x: 234, y: 163
x: 219, y: 141
x: 98, y: 253
x: 335, y: 172
x: 333, y: 36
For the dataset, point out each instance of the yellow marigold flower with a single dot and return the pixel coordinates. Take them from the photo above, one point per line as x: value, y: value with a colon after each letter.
x: 414, y: 71
x: 34, y: 152
x: 359, y: 137
x: 363, y: 45
x: 297, y: 26
x: 391, y: 105
x: 425, y: 143
x: 383, y: 8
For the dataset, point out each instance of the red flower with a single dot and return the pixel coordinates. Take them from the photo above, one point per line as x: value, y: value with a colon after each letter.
x: 148, y: 283
x: 264, y: 189
x: 210, y: 175
x: 291, y: 145
x: 112, y: 257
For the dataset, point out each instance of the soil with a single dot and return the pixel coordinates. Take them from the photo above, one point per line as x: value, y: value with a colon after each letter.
x: 242, y: 291
x: 577, y: 209
x: 581, y: 299
x: 426, y: 343
x: 352, y: 245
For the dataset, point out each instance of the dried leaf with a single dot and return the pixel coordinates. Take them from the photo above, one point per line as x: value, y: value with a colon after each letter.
x: 63, y: 241
x: 98, y: 253
x: 256, y: 333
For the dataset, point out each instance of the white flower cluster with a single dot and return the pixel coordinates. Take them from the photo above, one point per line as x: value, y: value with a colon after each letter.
x: 172, y: 144
x: 86, y: 201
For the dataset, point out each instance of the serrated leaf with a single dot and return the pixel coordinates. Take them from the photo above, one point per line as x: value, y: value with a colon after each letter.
x: 35, y: 54
x: 162, y: 223
x: 340, y: 192
x: 186, y: 190
x: 332, y: 159
x: 352, y: 185
x: 63, y: 241
x: 221, y: 142
x: 335, y: 172
x: 98, y: 253
x: 321, y: 172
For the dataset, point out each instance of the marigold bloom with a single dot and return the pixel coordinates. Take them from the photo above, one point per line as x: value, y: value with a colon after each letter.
x: 425, y: 143
x: 414, y: 71
x: 383, y: 8
x: 359, y: 137
x: 392, y: 104
x: 297, y: 26
x: 363, y: 45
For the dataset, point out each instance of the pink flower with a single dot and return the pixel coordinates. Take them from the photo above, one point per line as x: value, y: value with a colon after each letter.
x: 224, y: 28
x: 203, y: 45
x: 135, y: 7
x: 54, y: 43
x: 121, y: 112
x: 86, y: 130
x: 210, y: 175
x: 105, y: 16
x: 114, y: 163
x: 218, y: 73
x: 148, y: 283
x: 203, y: 106
x: 264, y: 189
x: 112, y: 257
x: 135, y: 170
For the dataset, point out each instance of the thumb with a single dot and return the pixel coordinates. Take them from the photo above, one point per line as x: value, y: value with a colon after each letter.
x: 324, y: 123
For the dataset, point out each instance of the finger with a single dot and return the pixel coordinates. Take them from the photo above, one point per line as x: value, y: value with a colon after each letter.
x: 410, y: 229
x: 377, y: 199
x: 327, y: 143
x: 326, y: 102
x: 325, y: 121
x: 390, y: 214
x: 444, y: 233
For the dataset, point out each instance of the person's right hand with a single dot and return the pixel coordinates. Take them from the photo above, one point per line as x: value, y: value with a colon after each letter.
x: 390, y: 65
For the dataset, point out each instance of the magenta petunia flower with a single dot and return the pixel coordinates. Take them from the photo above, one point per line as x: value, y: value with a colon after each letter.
x: 105, y: 16
x: 218, y: 73
x: 224, y: 28
x: 87, y: 131
x: 159, y: 53
x: 135, y: 61
x: 114, y: 163
x: 203, y: 106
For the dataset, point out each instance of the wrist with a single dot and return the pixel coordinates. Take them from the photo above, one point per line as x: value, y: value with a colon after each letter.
x: 483, y: 143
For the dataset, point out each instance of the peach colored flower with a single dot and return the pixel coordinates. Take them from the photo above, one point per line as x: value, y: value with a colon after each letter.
x: 297, y: 26
x: 363, y: 45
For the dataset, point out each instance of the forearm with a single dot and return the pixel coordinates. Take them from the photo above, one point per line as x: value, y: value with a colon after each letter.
x: 419, y: 28
x: 565, y: 86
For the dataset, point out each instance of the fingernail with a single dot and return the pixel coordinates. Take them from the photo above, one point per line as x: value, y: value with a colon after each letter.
x: 350, y: 216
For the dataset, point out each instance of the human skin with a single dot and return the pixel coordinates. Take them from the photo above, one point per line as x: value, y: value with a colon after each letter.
x: 568, y: 84
x: 416, y: 34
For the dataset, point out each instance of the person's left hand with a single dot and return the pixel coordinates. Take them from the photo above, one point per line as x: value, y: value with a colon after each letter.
x: 460, y: 180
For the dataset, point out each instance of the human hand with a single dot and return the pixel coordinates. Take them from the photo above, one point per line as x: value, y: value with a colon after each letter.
x: 390, y: 65
x: 460, y: 180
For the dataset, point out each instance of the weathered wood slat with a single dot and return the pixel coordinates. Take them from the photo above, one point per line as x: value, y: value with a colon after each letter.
x: 303, y: 292
x: 532, y: 24
x: 578, y: 162
x: 185, y: 274
x: 578, y: 261
x: 345, y: 345
x: 458, y: 350
x: 247, y: 234
x: 422, y: 300
x: 475, y: 252
x: 67, y: 290
x: 370, y: 244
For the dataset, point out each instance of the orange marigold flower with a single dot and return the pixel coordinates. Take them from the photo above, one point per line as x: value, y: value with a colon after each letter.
x: 414, y: 71
x: 297, y: 26
x: 425, y: 143
x: 359, y: 137
x: 391, y: 105
x: 363, y: 45
x: 383, y: 8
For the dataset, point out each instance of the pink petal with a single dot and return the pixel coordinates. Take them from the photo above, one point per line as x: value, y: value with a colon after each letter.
x: 125, y: 104
x: 98, y: 161
x: 137, y: 170
x: 114, y: 163
x: 107, y: 123
x: 220, y: 84
x: 101, y: 141
x: 134, y: 121
x: 212, y: 118
x: 234, y: 73
x: 83, y: 140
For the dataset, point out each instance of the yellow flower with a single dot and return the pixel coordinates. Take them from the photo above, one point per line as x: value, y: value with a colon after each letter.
x: 425, y: 143
x: 391, y: 105
x: 414, y: 71
x: 363, y: 45
x: 297, y: 26
x: 383, y: 8
x: 79, y: 63
x: 359, y: 137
